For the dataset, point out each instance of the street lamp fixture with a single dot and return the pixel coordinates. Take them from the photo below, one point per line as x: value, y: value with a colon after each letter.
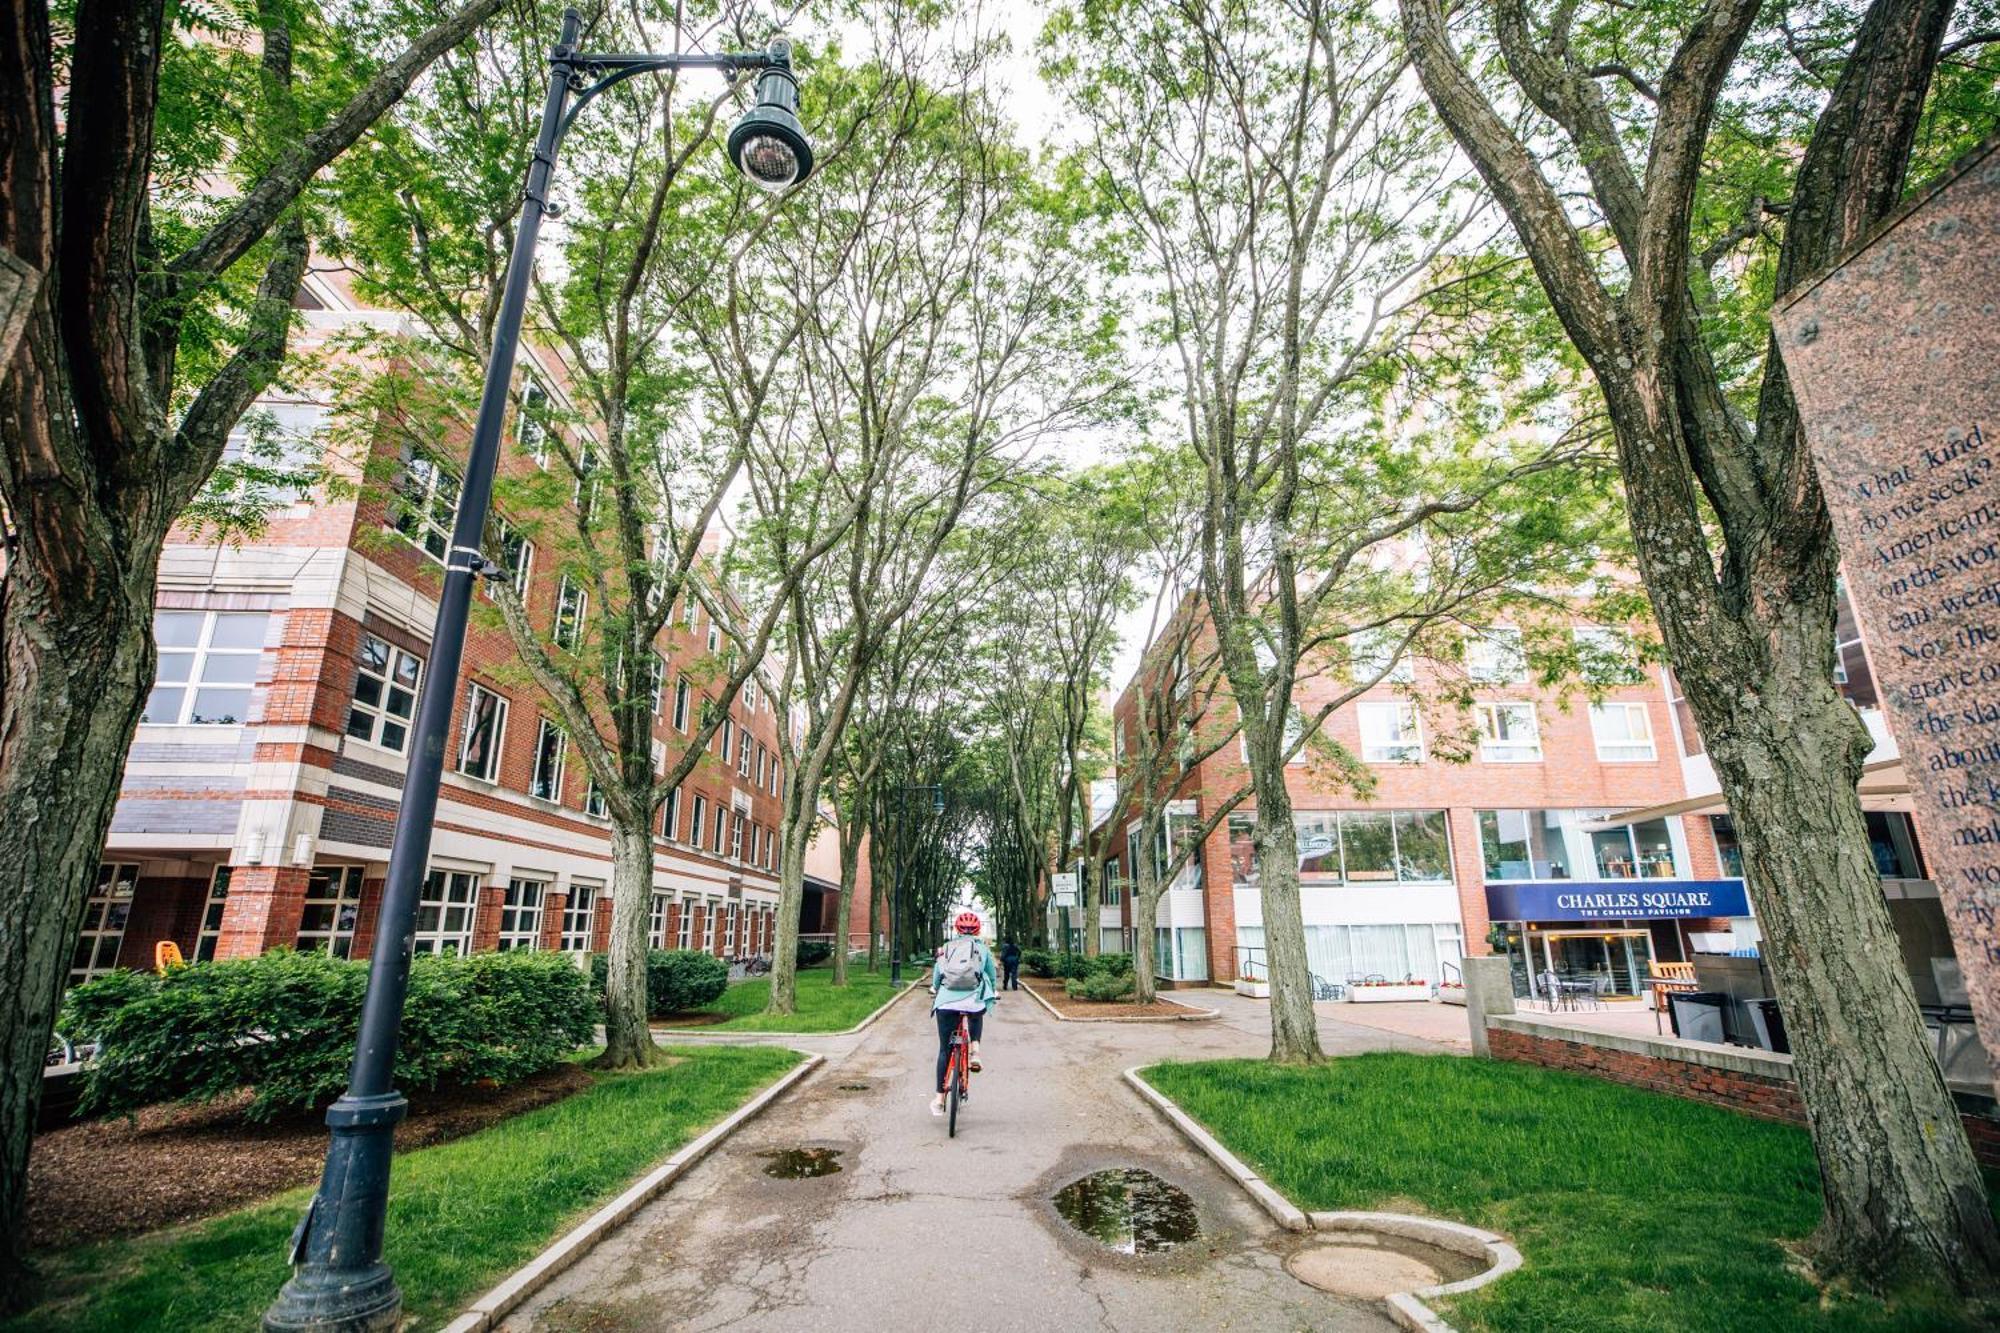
x: 339, y: 1282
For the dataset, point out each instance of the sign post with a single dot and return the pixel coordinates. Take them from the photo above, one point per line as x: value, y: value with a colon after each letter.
x: 1895, y: 358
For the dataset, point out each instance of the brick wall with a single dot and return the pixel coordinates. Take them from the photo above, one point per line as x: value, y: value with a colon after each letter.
x: 1766, y: 1096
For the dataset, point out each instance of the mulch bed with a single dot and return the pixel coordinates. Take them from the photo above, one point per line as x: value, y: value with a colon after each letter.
x: 122, y: 1175
x: 1162, y: 1010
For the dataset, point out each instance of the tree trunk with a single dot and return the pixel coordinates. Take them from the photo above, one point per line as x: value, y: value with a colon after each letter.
x: 1145, y: 913
x: 1294, y: 1024
x: 628, y: 1037
x: 850, y: 874
x: 1903, y: 1192
x: 791, y: 892
x: 75, y: 676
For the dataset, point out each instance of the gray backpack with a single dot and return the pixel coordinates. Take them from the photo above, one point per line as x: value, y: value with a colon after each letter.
x: 961, y: 970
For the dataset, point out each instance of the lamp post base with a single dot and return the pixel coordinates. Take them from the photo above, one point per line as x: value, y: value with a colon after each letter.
x: 328, y: 1300
x: 339, y: 1283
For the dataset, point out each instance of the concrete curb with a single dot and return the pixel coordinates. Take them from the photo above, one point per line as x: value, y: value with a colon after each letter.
x: 1193, y: 1015
x: 486, y: 1312
x: 743, y: 1038
x: 1407, y: 1308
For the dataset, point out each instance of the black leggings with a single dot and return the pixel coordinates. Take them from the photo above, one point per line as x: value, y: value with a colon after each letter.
x: 947, y: 1021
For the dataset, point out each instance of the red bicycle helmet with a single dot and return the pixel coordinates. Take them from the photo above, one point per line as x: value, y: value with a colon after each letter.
x: 967, y: 923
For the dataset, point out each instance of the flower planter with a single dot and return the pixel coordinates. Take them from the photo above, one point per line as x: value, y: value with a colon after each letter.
x: 1388, y: 994
x: 1451, y: 995
x: 1256, y: 990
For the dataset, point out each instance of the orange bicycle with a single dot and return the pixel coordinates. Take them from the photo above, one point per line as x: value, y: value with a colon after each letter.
x: 958, y: 1074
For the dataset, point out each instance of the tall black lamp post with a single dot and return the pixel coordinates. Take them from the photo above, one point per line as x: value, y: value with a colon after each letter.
x: 339, y: 1281
x: 896, y: 874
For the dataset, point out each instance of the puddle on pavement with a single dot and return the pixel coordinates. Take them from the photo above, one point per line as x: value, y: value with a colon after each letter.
x: 1129, y: 1209
x: 800, y: 1163
x: 854, y: 1087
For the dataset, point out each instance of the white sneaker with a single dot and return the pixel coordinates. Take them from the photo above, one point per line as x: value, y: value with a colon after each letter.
x: 937, y: 1109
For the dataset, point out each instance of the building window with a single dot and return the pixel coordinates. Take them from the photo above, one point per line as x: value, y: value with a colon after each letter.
x: 104, y: 917
x: 690, y: 609
x: 1728, y: 851
x: 714, y: 636
x: 593, y: 801
x: 670, y: 814
x: 1112, y: 894
x: 1523, y: 844
x: 729, y: 930
x: 681, y: 704
x: 385, y: 694
x: 1691, y: 742
x: 1372, y: 653
x: 211, y: 915
x: 579, y: 920
x: 696, y: 831
x: 531, y: 429
x: 1390, y: 733
x: 585, y: 494
x: 728, y: 737
x: 333, y: 905
x: 721, y: 829
x: 684, y: 932
x: 515, y: 554
x: 1607, y: 656
x: 208, y: 662
x: 1624, y: 732
x: 1634, y: 851
x: 426, y: 505
x: 521, y: 914
x: 656, y: 680
x: 736, y: 837
x: 713, y: 936
x: 743, y: 756
x: 445, y: 911
x: 1893, y: 840
x: 1507, y: 734
x: 572, y: 605
x: 656, y: 921
x: 485, y: 724
x: 1850, y: 660
x: 1497, y: 657
x: 762, y: 755
x: 547, y: 779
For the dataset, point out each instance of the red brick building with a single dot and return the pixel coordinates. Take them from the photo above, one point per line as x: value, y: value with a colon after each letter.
x: 263, y: 783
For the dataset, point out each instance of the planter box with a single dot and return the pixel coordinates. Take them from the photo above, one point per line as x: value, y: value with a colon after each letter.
x: 1256, y: 990
x: 1387, y: 994
x: 1453, y: 995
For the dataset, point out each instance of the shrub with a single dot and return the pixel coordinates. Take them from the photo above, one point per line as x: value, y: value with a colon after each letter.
x: 1101, y: 986
x: 1039, y: 962
x: 1072, y: 966
x: 814, y: 952
x: 677, y: 980
x: 283, y: 1026
x: 1111, y: 964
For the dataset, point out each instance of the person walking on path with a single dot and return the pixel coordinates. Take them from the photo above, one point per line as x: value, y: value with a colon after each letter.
x: 1010, y: 962
x: 962, y: 985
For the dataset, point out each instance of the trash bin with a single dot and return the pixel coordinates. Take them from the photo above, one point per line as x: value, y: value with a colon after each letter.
x: 1701, y: 1015
x: 1768, y: 1022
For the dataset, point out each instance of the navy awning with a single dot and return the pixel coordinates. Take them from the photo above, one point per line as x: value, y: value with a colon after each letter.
x: 1615, y: 900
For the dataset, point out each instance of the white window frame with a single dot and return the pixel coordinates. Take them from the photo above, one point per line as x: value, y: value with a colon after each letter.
x: 731, y: 913
x: 684, y: 925
x: 1365, y: 651
x: 554, y: 787
x: 656, y: 919
x: 594, y: 803
x: 656, y: 680
x: 736, y: 835
x: 743, y: 755
x: 1403, y: 719
x: 520, y: 918
x: 1639, y: 749
x: 713, y: 934
x: 426, y: 508
x: 721, y: 827
x: 572, y: 610
x: 105, y: 916
x: 382, y: 719
x: 714, y: 636
x: 338, y: 889
x: 474, y: 692
x: 728, y: 734
x: 681, y: 693
x: 695, y: 830
x: 1492, y: 749
x: 1610, y: 643
x: 670, y: 815
x: 507, y: 533
x: 530, y: 434
x: 210, y: 936
x: 579, y: 921
x: 1497, y: 656
x: 454, y: 896
x: 198, y: 657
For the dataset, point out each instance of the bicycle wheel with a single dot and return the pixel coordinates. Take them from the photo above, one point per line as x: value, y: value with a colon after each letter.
x: 951, y: 1109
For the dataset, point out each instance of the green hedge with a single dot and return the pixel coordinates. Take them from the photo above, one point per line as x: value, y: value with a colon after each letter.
x: 283, y: 1025
x: 1101, y: 986
x: 1039, y: 962
x: 677, y: 980
x: 1074, y: 966
x: 814, y: 952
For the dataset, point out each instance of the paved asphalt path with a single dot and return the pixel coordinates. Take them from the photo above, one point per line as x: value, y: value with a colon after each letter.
x: 919, y: 1231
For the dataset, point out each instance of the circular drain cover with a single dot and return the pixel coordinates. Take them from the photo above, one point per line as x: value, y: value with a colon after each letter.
x: 1364, y: 1270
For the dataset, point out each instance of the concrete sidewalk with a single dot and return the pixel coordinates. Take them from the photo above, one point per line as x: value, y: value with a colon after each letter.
x: 916, y: 1225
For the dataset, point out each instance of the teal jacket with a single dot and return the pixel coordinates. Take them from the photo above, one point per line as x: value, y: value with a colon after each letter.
x: 967, y: 1001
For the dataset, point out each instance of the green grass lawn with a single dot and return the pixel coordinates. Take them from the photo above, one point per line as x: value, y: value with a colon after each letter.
x: 1633, y: 1211
x: 461, y: 1215
x: 823, y: 1007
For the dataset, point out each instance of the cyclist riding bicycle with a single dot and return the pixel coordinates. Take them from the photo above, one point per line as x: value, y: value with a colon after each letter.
x: 962, y: 986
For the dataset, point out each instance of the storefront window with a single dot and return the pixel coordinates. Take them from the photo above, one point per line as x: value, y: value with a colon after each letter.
x: 1318, y: 837
x: 1423, y: 845
x: 1894, y: 843
x: 1523, y: 844
x: 1369, y: 842
x: 1243, y: 851
x: 1728, y: 852
x: 1638, y: 851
